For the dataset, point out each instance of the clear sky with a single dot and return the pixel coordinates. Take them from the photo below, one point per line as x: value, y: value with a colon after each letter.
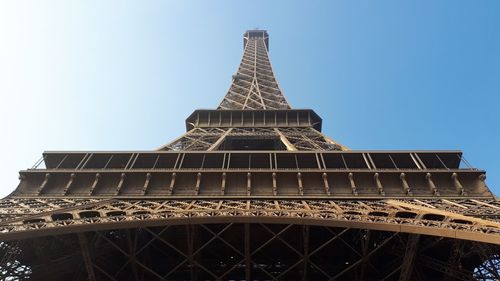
x: 123, y: 75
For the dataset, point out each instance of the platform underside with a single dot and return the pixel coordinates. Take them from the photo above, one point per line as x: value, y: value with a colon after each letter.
x: 251, y: 251
x: 130, y: 239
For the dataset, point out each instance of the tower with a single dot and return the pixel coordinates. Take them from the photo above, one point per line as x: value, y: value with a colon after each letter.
x: 252, y: 191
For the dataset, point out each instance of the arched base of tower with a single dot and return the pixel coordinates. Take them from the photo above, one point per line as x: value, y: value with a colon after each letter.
x: 248, y: 251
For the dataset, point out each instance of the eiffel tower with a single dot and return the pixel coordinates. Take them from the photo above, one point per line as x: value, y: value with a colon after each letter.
x: 252, y: 191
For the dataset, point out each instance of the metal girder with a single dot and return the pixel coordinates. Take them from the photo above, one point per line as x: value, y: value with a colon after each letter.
x: 350, y: 267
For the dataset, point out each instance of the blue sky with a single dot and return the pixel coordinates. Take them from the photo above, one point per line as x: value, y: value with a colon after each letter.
x: 123, y: 75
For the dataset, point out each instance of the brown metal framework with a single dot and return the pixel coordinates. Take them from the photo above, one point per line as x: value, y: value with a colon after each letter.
x: 252, y: 191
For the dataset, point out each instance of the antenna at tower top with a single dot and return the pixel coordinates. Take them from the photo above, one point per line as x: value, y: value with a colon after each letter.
x: 256, y: 33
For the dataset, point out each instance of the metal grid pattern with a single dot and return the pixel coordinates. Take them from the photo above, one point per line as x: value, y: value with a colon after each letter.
x: 32, y: 217
x: 260, y: 252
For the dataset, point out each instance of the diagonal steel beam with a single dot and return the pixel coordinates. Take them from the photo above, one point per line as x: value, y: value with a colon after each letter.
x: 381, y: 245
x: 128, y: 255
x: 220, y: 140
x: 152, y: 240
x: 270, y: 240
x: 217, y: 236
x: 105, y: 273
x: 182, y: 253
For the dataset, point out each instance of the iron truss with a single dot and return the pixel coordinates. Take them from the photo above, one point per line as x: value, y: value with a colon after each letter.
x: 254, y: 86
x: 299, y: 138
x: 465, y: 219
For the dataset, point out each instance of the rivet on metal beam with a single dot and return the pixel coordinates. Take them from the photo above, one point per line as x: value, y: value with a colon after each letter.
x: 380, y: 188
x: 353, y: 185
x: 406, y: 187
x: 431, y: 184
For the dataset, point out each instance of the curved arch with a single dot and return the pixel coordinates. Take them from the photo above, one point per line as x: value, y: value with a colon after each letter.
x: 424, y: 227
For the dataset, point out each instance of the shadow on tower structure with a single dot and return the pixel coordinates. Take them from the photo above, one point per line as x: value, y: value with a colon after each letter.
x: 252, y: 191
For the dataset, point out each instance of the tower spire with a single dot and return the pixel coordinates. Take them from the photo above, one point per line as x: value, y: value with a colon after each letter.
x: 254, y: 85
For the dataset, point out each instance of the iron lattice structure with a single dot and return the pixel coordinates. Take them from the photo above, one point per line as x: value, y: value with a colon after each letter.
x: 252, y: 191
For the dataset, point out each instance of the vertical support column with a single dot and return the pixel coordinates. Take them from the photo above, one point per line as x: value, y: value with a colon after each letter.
x: 305, y: 258
x: 223, y: 183
x: 365, y: 246
x: 353, y: 184
x: 248, y: 257
x: 299, y: 183
x: 249, y: 184
x: 87, y: 259
x: 190, y: 245
x: 275, y: 184
x: 172, y: 184
x: 131, y: 249
x: 325, y: 183
x: 409, y: 258
x: 198, y: 183
x: 146, y: 183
